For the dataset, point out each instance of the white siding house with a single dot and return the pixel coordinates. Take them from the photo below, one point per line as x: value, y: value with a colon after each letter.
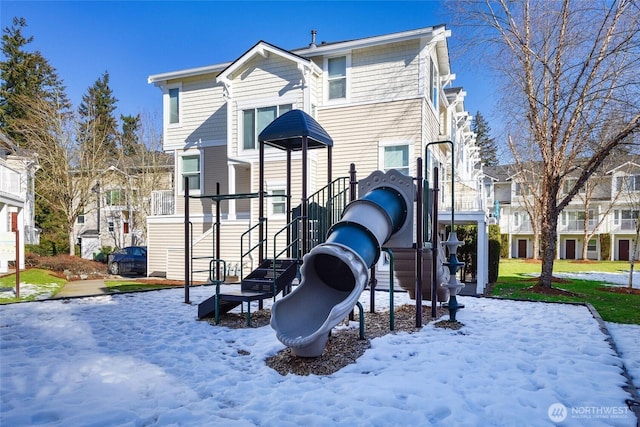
x: 382, y: 99
x: 17, y: 170
x: 600, y: 222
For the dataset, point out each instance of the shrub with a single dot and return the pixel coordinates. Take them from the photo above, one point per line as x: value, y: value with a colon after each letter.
x: 605, y: 246
x: 103, y: 255
x: 65, y: 263
x: 494, y: 260
x: 504, y: 246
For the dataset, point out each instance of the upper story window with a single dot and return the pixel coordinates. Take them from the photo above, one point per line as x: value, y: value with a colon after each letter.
x: 115, y: 197
x: 569, y: 183
x: 628, y: 183
x: 434, y: 83
x: 254, y: 120
x: 488, y: 189
x: 190, y: 168
x: 520, y: 189
x: 337, y: 77
x: 174, y: 105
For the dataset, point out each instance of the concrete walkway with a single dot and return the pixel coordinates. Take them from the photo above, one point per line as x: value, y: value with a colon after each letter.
x: 82, y: 288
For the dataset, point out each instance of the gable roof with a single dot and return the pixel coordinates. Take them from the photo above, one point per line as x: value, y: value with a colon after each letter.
x: 264, y: 49
x: 437, y: 34
x: 286, y: 132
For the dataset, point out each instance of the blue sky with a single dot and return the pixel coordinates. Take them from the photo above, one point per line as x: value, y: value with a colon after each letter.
x: 134, y: 39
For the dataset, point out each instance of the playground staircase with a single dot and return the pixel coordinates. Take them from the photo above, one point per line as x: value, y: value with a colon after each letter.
x: 268, y: 280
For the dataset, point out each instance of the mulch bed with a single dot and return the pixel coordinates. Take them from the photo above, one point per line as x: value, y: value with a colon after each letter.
x: 620, y: 290
x: 344, y: 346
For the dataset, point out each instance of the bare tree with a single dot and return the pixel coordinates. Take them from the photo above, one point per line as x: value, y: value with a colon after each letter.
x: 627, y: 184
x: 596, y: 194
x: 147, y: 169
x: 66, y: 176
x: 528, y: 193
x: 571, y: 70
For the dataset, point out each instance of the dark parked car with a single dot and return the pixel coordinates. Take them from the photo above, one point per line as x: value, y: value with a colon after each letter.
x: 132, y: 259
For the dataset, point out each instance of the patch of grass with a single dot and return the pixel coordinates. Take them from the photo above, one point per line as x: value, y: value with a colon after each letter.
x: 35, y: 284
x: 132, y: 286
x: 517, y: 267
x: 515, y: 282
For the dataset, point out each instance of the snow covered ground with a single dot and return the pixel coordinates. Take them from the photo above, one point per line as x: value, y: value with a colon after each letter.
x: 615, y: 279
x: 144, y: 360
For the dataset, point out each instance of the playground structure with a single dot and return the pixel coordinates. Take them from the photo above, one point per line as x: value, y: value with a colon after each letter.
x: 335, y: 268
x: 335, y: 272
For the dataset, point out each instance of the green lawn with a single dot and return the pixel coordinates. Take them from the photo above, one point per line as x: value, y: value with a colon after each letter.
x: 515, y: 279
x: 132, y: 286
x: 35, y: 284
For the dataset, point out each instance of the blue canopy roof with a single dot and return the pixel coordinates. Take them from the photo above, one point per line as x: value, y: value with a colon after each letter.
x: 286, y: 132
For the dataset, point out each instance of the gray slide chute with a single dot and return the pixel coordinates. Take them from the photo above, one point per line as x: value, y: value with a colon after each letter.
x: 334, y: 273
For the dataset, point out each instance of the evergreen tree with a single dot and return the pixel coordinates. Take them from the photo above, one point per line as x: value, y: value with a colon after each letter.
x: 25, y: 75
x: 129, y: 139
x: 98, y: 131
x: 488, y: 149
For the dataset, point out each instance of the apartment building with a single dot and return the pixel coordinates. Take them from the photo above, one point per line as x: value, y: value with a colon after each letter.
x: 385, y: 100
x: 600, y: 222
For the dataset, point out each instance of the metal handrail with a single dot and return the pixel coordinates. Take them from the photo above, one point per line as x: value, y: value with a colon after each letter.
x: 276, y: 254
x: 257, y: 245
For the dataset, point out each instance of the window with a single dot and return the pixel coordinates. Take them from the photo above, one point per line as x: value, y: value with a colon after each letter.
x: 591, y: 246
x: 110, y: 225
x: 125, y: 227
x: 434, y: 86
x: 174, y: 105
x: 574, y: 220
x: 115, y: 197
x: 628, y: 183
x: 628, y: 219
x: 337, y: 77
x: 569, y: 183
x: 80, y: 219
x: 256, y: 119
x: 191, y: 170
x: 396, y: 157
x: 279, y: 202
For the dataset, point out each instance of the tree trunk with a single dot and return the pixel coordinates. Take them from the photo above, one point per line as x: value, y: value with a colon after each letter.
x: 72, y: 243
x: 634, y: 254
x: 536, y: 243
x: 549, y: 238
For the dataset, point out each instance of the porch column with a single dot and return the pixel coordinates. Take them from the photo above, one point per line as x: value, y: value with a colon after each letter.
x: 231, y: 179
x: 482, y: 274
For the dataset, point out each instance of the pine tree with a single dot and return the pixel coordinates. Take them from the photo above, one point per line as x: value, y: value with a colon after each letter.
x: 488, y: 149
x: 98, y: 132
x: 129, y: 139
x: 25, y: 75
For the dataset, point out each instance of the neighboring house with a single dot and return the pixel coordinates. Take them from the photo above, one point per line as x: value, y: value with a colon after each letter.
x: 382, y: 99
x: 116, y: 215
x: 603, y: 215
x: 17, y: 199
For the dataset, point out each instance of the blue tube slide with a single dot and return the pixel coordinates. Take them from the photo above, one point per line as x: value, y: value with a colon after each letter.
x: 334, y: 273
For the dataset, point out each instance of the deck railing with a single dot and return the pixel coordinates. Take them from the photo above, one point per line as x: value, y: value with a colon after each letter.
x: 162, y: 202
